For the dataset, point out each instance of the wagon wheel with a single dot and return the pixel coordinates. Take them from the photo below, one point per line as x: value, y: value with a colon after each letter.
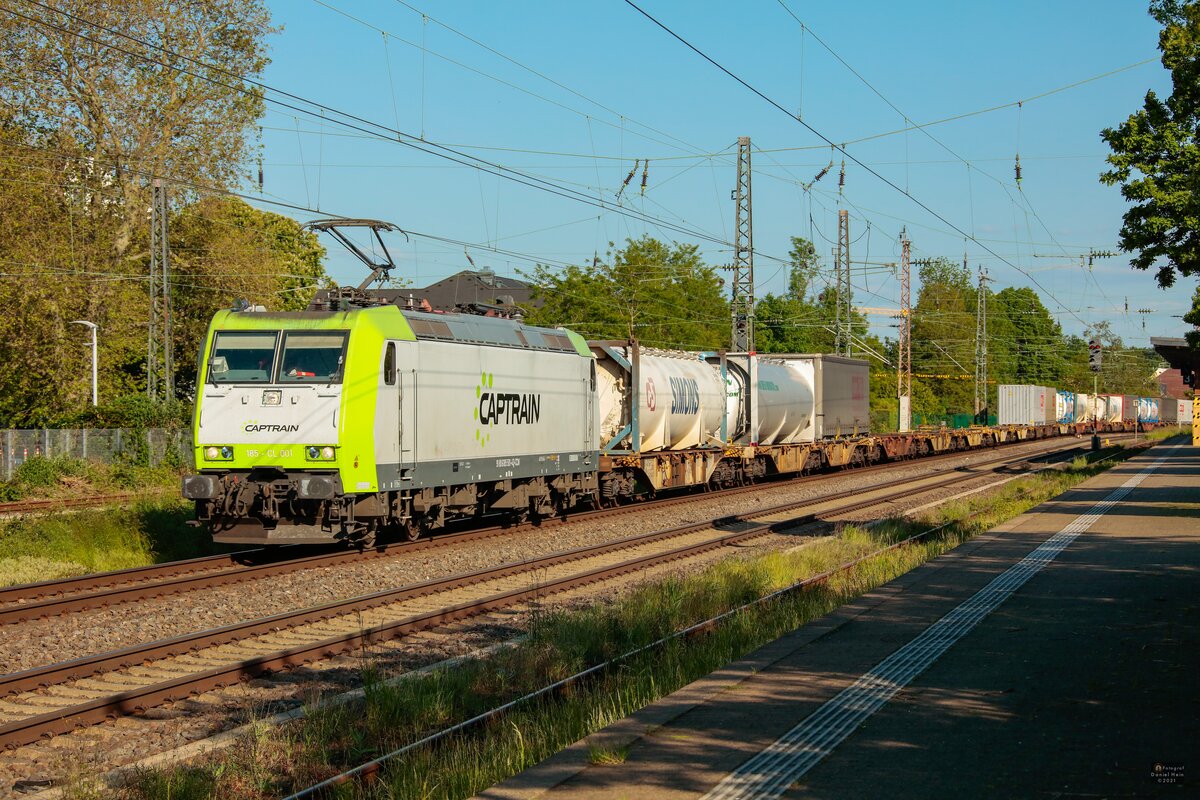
x: 366, y: 539
x: 412, y: 529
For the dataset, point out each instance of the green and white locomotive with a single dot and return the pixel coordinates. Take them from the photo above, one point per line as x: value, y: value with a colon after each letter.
x: 360, y: 416
x: 321, y: 426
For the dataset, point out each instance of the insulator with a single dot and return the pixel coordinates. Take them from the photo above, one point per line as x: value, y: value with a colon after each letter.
x: 645, y: 171
x: 1017, y: 169
x: 842, y: 177
x: 629, y: 177
x: 260, y: 176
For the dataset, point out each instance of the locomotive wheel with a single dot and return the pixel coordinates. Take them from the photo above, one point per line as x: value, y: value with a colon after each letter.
x: 367, y: 540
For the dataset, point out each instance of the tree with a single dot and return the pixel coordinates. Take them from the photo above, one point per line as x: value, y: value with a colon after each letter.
x: 1156, y: 158
x: 97, y: 99
x: 663, y: 295
x: 1035, y: 348
x: 137, y: 88
x: 943, y: 337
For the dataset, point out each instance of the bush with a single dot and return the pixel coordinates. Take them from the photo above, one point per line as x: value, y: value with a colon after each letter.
x: 42, y: 472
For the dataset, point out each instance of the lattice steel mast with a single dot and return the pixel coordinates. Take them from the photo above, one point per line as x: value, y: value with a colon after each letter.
x: 743, y: 256
x: 845, y: 308
x: 981, y: 392
x: 904, y: 350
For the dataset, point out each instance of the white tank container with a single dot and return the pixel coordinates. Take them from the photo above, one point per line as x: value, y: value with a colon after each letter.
x: 681, y: 402
x: 1114, y: 407
x: 1083, y: 407
x: 1148, y: 409
x: 1064, y: 406
x: 785, y: 402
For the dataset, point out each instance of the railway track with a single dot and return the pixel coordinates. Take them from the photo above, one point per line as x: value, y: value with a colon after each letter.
x: 52, y: 598
x: 59, y: 503
x: 59, y: 697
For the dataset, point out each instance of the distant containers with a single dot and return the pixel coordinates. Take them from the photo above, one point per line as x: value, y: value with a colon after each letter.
x: 1027, y: 405
x: 1174, y: 411
x: 1119, y: 408
x: 1064, y: 406
x: 1083, y: 407
x: 1148, y: 410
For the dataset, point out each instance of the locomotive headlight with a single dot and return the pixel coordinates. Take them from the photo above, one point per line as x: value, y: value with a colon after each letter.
x: 318, y: 453
x: 213, y: 453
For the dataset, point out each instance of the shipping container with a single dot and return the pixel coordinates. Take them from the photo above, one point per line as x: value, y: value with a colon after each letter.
x: 1021, y: 404
x: 1174, y: 411
x: 1129, y: 408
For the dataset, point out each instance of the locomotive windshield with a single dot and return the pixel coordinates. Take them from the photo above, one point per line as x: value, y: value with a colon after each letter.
x: 311, y: 357
x: 242, y: 357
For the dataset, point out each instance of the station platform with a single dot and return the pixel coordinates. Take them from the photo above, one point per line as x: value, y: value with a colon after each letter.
x: 1056, y: 656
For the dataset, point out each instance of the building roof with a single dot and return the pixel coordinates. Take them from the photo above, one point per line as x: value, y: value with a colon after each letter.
x: 1176, y: 352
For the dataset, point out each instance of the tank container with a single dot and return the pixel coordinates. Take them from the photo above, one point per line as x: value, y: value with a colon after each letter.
x: 1064, y: 406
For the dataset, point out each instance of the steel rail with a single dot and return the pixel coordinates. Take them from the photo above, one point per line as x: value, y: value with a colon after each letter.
x: 25, y: 602
x: 31, y: 728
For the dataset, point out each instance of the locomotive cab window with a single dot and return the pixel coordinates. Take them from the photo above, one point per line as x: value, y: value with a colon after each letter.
x: 312, y: 357
x: 389, y: 364
x: 242, y: 357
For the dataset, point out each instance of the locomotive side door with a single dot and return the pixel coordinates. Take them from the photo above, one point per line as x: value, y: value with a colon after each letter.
x: 388, y: 431
x: 394, y: 429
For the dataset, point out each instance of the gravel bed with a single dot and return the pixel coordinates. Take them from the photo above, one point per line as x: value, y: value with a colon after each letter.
x: 91, y: 751
x: 38, y: 642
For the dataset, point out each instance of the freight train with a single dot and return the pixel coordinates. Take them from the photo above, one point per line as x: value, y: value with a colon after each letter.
x: 365, y: 418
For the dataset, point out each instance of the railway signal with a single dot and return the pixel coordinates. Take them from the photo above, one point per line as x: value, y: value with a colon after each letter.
x: 1094, y: 355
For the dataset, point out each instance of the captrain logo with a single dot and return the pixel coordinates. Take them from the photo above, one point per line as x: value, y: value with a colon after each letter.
x: 252, y: 426
x: 502, y: 408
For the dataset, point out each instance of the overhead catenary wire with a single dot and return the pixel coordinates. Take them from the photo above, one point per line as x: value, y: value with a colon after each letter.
x: 357, y: 122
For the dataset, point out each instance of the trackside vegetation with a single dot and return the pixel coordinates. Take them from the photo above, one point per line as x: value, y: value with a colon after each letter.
x: 275, y: 761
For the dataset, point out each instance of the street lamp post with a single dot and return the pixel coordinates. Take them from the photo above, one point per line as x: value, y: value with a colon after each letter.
x: 94, y: 327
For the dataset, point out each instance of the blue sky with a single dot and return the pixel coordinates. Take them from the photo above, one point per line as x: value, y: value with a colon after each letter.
x: 572, y: 93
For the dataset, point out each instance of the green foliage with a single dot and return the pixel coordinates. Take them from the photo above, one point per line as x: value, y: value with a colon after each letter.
x: 84, y: 125
x: 132, y: 411
x: 1156, y: 158
x: 663, y: 295
x: 1028, y: 348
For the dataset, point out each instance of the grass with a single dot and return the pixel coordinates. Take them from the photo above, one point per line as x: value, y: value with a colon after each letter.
x: 561, y: 643
x: 42, y: 547
x: 48, y: 546
x: 608, y: 756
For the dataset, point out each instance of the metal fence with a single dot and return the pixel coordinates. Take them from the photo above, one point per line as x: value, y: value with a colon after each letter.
x: 154, y: 445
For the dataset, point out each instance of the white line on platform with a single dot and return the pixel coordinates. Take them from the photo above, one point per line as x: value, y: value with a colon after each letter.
x: 775, y: 769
